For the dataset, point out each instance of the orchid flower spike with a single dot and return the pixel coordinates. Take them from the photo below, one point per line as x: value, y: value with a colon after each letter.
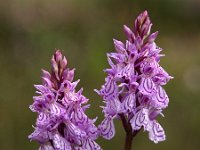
x: 133, y: 89
x: 62, y: 123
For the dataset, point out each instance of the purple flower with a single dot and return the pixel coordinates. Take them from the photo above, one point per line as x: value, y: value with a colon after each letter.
x: 133, y: 89
x: 62, y: 123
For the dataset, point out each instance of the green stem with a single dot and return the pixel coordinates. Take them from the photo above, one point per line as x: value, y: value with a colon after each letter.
x: 129, y: 133
x: 128, y: 142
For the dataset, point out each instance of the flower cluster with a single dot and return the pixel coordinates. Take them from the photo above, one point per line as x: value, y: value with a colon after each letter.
x: 62, y: 123
x: 133, y: 89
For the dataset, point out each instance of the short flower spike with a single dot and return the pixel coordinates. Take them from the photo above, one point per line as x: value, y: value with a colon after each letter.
x: 133, y: 89
x: 62, y: 123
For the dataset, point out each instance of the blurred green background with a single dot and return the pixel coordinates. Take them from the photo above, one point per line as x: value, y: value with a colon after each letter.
x: 31, y: 30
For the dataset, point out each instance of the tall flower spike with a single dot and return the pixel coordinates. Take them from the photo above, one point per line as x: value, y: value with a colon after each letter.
x: 62, y: 123
x: 133, y: 90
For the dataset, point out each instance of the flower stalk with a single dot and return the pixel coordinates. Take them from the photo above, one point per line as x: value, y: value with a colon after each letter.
x: 128, y: 141
x: 129, y: 133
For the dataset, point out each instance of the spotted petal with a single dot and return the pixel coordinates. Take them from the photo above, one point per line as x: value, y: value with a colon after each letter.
x: 57, y: 110
x: 109, y: 90
x: 129, y: 102
x: 126, y: 72
x: 43, y: 119
x: 140, y: 119
x: 156, y: 132
x: 118, y: 57
x: 73, y: 131
x: 39, y: 135
x: 42, y: 88
x: 146, y: 86
x: 79, y: 117
x: 160, y: 98
x: 162, y: 77
x: 89, y: 144
x: 46, y: 146
x: 107, y: 128
x: 60, y: 143
x: 113, y: 107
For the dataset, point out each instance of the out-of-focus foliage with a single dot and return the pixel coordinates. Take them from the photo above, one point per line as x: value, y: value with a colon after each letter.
x: 31, y: 30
